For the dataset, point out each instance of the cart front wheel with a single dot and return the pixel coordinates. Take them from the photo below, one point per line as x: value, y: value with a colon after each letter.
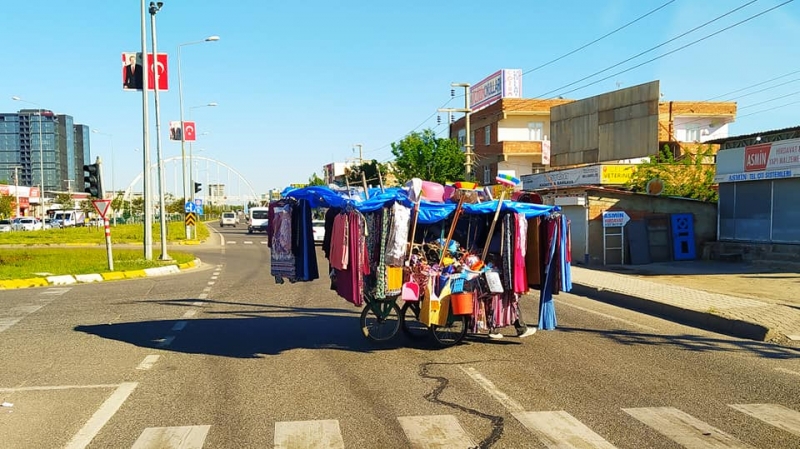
x: 380, y: 320
x: 451, y: 333
x: 411, y: 326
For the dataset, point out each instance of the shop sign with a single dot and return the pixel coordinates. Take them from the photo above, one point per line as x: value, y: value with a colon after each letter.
x: 759, y: 162
x: 615, y: 218
x: 616, y: 174
x: 505, y: 83
x: 562, y: 178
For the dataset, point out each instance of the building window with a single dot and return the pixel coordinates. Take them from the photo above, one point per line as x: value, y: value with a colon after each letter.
x: 693, y: 134
x: 535, y: 131
x: 487, y: 135
x: 487, y: 175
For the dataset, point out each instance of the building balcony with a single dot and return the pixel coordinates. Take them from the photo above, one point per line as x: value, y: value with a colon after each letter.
x: 510, y: 148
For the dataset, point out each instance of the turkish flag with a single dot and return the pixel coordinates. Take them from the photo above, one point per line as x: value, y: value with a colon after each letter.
x: 161, y: 65
x: 189, y: 131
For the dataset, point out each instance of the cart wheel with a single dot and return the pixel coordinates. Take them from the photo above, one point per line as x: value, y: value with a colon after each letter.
x: 452, y: 333
x: 411, y: 326
x: 380, y: 320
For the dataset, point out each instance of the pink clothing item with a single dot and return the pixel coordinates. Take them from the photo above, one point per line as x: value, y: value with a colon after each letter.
x: 339, y: 243
x: 520, y: 249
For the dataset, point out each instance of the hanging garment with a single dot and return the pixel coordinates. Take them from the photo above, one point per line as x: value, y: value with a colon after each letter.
x: 340, y: 247
x: 303, y: 246
x: 350, y: 281
x: 507, y: 251
x: 330, y: 214
x: 281, y: 257
x: 397, y: 242
x: 533, y: 254
x: 520, y: 247
x: 547, y: 310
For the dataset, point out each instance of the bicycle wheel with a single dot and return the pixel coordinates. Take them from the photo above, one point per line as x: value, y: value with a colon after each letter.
x: 380, y: 320
x: 411, y: 326
x: 451, y: 333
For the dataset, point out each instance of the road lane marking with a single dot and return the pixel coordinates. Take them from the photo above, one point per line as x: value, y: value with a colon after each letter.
x: 321, y: 434
x: 179, y: 325
x: 5, y: 323
x: 787, y: 371
x: 247, y: 242
x: 206, y: 289
x: 559, y: 429
x: 166, y: 341
x: 202, y: 296
x: 685, y: 429
x: 211, y: 282
x: 101, y: 416
x: 18, y: 313
x: 772, y: 414
x: 611, y: 317
x: 148, y: 362
x: 435, y: 431
x: 56, y: 291
x: 186, y: 437
x: 190, y: 313
x: 198, y: 303
x: 214, y: 277
x: 56, y: 387
x: 504, y: 399
x: 231, y: 243
x: 264, y: 242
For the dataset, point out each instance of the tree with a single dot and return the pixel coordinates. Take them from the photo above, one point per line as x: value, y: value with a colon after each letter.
x: 6, y: 205
x: 315, y: 180
x: 64, y: 200
x: 423, y: 155
x: 690, y: 176
x: 370, y: 170
x: 137, y: 205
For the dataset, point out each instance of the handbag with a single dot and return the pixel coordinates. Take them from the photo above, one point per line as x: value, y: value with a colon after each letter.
x: 489, y: 282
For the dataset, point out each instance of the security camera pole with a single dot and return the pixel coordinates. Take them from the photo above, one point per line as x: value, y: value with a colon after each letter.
x: 154, y: 8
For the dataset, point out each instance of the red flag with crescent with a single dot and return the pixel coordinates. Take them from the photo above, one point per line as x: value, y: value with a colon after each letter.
x: 189, y: 131
x: 163, y: 74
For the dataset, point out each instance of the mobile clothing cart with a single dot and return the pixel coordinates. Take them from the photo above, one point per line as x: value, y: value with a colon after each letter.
x: 440, y: 268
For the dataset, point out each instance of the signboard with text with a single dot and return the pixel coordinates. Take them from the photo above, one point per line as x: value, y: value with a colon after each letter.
x: 773, y: 160
x: 505, y: 83
x: 607, y: 174
x: 615, y: 218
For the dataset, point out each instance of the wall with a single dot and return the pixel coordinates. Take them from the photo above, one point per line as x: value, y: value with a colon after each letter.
x: 515, y: 128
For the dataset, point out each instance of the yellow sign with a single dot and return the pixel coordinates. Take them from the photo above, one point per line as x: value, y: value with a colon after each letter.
x: 191, y: 218
x: 616, y: 174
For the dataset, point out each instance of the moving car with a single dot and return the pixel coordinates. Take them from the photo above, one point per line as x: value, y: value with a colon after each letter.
x: 5, y: 225
x: 227, y: 219
x: 318, y: 226
x: 258, y: 219
x: 27, y: 224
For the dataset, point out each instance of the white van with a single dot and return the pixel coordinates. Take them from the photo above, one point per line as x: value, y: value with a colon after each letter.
x: 257, y: 219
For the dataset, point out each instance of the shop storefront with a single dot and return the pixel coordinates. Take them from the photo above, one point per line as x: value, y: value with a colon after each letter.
x: 758, y: 187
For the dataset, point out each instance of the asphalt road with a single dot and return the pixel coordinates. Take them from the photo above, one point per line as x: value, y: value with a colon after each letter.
x: 222, y: 357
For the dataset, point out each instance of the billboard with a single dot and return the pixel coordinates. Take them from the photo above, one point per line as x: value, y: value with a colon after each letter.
x: 188, y: 133
x: 505, y: 83
x: 772, y: 160
x: 133, y: 73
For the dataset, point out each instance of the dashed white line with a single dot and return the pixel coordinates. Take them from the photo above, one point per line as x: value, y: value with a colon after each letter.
x: 101, y: 416
x: 247, y: 242
x: 198, y: 304
x: 211, y: 282
x: 787, y: 371
x: 190, y: 313
x: 507, y: 402
x: 179, y: 326
x: 207, y: 289
x: 214, y: 277
x: 56, y: 387
x: 232, y: 243
x: 166, y: 341
x: 264, y: 242
x: 148, y: 362
x: 202, y: 296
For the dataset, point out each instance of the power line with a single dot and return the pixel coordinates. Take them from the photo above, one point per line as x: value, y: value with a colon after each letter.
x: 753, y: 85
x: 770, y: 100
x: 769, y: 109
x: 649, y: 50
x: 599, y: 38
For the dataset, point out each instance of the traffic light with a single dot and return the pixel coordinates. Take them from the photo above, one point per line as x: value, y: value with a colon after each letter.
x: 198, y: 187
x: 92, y: 183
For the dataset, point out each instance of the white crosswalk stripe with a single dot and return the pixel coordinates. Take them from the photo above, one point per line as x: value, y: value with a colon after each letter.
x: 774, y: 415
x: 321, y: 434
x: 435, y: 431
x: 685, y: 429
x: 248, y: 242
x: 561, y: 430
x: 185, y: 437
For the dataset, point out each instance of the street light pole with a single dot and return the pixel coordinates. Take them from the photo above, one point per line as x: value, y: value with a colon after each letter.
x: 467, y: 138
x: 183, y: 134
x: 41, y: 156
x: 16, y: 189
x: 154, y: 8
x: 191, y: 164
x: 113, y: 189
x: 148, y: 208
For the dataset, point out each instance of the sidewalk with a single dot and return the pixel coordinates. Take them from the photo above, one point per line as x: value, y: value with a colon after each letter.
x: 724, y: 313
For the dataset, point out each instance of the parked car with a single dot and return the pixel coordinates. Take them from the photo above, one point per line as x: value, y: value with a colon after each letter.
x: 258, y: 220
x: 47, y: 223
x: 318, y: 226
x: 227, y: 219
x: 5, y: 226
x: 26, y: 224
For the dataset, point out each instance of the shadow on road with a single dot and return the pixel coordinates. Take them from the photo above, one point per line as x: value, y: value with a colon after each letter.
x: 265, y: 330
x: 693, y: 343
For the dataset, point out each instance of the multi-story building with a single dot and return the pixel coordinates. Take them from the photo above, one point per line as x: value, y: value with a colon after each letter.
x: 49, y: 149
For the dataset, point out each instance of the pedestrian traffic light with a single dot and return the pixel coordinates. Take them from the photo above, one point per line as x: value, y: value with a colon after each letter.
x: 198, y: 187
x: 92, y: 183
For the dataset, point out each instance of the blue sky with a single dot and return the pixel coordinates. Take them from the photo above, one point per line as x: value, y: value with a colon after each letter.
x: 299, y: 83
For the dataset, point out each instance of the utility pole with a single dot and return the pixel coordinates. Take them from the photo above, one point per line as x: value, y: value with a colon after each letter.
x: 69, y: 185
x: 16, y: 188
x: 146, y: 184
x: 360, y: 153
x: 467, y: 138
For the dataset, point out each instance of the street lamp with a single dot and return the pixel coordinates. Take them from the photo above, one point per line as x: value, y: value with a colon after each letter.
x: 180, y: 101
x: 155, y: 7
x: 191, y: 178
x: 41, y: 155
x: 467, y: 138
x: 113, y: 189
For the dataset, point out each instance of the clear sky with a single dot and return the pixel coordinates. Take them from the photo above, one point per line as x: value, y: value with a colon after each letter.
x: 298, y: 83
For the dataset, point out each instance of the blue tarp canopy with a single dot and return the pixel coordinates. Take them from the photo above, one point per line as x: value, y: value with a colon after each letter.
x: 321, y: 196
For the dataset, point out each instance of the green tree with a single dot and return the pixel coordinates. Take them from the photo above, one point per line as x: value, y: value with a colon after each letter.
x: 370, y: 170
x: 690, y: 176
x: 315, y: 180
x: 174, y: 205
x: 6, y: 205
x: 423, y: 155
x: 64, y: 200
x: 87, y: 206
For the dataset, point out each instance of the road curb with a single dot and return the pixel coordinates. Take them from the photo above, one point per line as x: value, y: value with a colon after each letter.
x: 97, y: 277
x: 704, y: 320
